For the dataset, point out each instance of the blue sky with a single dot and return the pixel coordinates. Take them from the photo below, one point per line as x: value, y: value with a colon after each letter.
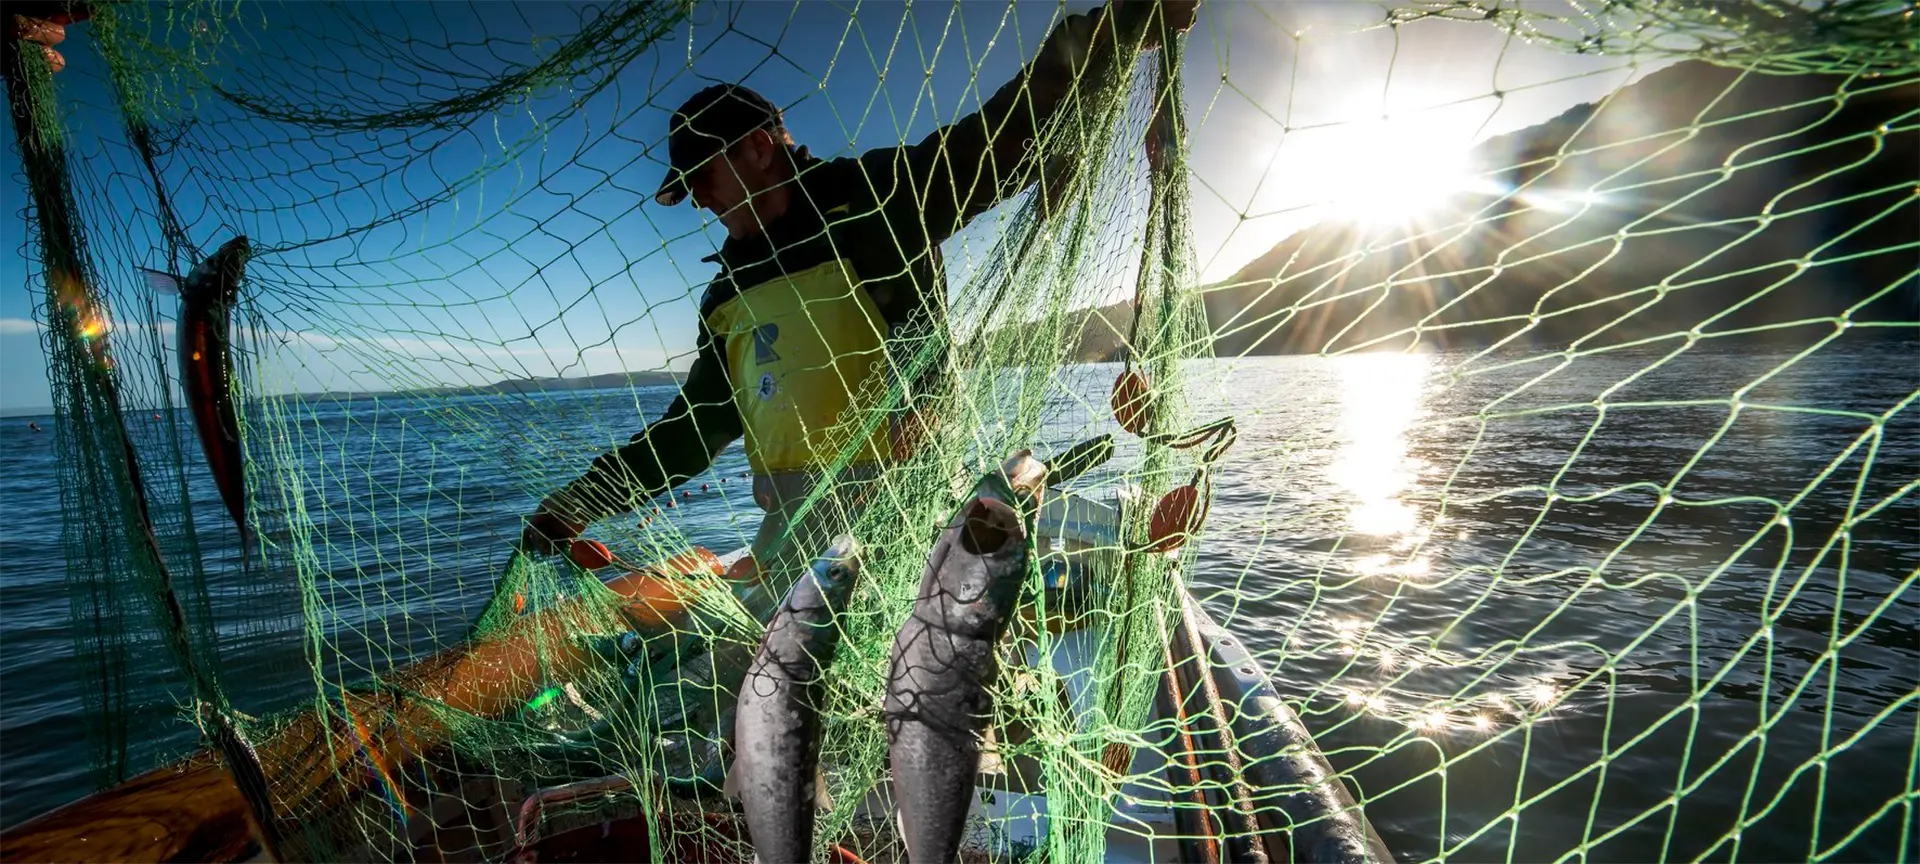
x: 538, y: 251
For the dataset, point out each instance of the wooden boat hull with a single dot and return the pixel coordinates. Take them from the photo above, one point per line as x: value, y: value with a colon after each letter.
x: 1290, y: 802
x: 192, y: 811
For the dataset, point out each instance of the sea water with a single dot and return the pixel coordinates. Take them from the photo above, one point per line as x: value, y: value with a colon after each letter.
x: 1532, y: 606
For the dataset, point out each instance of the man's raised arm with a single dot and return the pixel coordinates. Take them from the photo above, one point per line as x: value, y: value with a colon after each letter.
x: 960, y: 171
x: 700, y: 423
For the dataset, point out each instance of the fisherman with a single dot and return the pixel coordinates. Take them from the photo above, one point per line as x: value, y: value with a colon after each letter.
x: 829, y: 288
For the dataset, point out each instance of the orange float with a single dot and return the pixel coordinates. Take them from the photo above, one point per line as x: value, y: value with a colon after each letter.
x: 1132, y: 402
x: 1176, y: 518
x: 590, y: 554
x: 744, y: 569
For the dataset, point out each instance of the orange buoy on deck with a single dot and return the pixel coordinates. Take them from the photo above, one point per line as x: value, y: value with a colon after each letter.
x: 744, y: 569
x: 659, y: 592
x: 590, y: 554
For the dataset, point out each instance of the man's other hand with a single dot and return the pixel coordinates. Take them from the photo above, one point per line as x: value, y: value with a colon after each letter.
x: 1178, y: 16
x: 46, y: 34
x: 547, y: 534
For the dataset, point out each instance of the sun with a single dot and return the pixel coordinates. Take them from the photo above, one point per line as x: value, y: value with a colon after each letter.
x: 1371, y: 162
x: 1393, y: 172
x: 1389, y: 168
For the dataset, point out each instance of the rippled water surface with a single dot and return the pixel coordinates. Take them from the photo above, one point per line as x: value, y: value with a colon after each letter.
x: 1612, y: 606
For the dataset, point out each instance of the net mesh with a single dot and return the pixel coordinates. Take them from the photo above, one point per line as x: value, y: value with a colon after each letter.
x: 1571, y: 365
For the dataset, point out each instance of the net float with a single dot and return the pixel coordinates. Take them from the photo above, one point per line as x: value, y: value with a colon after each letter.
x: 590, y: 554
x: 1132, y: 402
x: 1176, y: 518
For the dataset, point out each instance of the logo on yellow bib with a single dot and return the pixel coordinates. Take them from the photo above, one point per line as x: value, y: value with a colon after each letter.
x: 805, y: 352
x: 763, y: 337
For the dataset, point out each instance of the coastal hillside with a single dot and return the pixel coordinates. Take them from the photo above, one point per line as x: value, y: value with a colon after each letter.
x: 1700, y: 197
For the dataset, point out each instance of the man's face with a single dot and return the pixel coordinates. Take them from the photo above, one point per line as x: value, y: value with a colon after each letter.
x: 728, y: 184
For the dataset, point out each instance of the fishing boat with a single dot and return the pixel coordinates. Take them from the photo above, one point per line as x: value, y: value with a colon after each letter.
x: 1251, y: 784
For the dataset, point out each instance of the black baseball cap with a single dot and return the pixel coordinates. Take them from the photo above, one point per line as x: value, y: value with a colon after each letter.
x: 707, y: 125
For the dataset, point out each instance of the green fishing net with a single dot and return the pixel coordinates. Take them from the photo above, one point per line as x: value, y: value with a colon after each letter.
x: 1569, y: 351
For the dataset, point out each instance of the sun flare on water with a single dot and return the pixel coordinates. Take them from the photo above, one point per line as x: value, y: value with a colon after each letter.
x: 1380, y: 398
